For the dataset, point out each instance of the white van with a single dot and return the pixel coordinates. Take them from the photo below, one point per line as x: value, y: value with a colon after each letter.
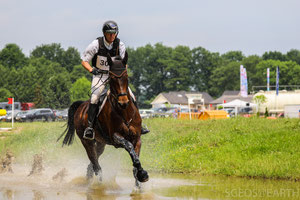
x: 146, y: 113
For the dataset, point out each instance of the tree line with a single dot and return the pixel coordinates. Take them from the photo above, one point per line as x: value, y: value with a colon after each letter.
x: 53, y: 77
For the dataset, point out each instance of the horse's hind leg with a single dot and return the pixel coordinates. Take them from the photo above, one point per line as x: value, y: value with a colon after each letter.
x: 92, y: 149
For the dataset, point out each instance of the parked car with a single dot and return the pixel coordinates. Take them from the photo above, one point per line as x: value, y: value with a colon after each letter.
x: 161, y: 112
x: 20, y: 116
x: 246, y: 110
x: 8, y: 116
x: 62, y: 114
x: 41, y: 114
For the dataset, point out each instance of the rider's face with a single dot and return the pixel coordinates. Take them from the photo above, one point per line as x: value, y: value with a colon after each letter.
x: 110, y: 37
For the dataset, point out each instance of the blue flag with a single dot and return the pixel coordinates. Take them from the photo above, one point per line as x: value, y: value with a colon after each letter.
x: 277, y: 80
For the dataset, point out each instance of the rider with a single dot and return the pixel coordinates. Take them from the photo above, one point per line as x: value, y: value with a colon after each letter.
x: 97, y: 53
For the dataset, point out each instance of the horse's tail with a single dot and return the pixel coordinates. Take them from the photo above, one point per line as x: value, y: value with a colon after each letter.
x: 70, y: 130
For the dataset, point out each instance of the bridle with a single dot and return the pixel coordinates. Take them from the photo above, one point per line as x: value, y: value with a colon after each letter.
x: 118, y: 76
x: 116, y: 96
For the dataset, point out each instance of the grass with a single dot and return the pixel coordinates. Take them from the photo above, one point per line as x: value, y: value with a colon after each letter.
x: 251, y: 147
x: 28, y: 139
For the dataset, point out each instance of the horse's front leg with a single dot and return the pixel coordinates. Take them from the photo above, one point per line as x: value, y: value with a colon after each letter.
x: 141, y: 174
x: 135, y: 170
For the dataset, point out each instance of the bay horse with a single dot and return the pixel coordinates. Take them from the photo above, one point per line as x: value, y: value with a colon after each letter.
x: 118, y: 123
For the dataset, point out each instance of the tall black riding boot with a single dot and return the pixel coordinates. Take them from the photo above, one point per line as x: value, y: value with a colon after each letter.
x: 144, y: 130
x: 89, y: 132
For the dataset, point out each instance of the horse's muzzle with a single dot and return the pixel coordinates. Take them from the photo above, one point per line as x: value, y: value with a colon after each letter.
x: 123, y: 101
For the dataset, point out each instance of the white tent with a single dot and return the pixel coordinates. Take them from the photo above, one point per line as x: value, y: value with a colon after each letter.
x: 238, y: 103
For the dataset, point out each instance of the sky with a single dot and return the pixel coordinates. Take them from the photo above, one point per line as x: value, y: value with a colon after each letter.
x: 250, y: 26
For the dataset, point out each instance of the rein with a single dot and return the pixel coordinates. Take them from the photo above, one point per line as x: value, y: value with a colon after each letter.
x: 104, y: 83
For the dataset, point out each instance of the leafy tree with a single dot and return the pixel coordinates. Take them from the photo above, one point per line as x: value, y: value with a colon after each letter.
x: 50, y: 84
x: 203, y: 63
x: 289, y: 71
x: 259, y: 99
x: 3, y: 76
x: 226, y: 77
x: 70, y: 58
x: 11, y: 84
x: 4, y: 94
x: 137, y: 61
x: 58, y: 91
x: 34, y: 78
x: 178, y: 68
x: 274, y: 55
x: 294, y: 55
x: 233, y: 56
x: 11, y: 56
x: 156, y: 72
x: 151, y: 64
x: 55, y: 53
x: 78, y: 72
x: 80, y: 90
x: 27, y: 79
x: 292, y: 73
x: 38, y: 97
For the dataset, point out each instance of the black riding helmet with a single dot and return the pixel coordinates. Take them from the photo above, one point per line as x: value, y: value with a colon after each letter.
x: 110, y: 27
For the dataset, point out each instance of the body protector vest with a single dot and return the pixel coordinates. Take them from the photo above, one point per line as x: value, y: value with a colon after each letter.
x: 100, y: 58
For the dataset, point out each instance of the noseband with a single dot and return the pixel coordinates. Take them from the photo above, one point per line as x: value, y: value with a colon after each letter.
x: 121, y: 94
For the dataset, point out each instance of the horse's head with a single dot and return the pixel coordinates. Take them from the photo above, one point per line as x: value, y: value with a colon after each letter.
x: 119, y: 79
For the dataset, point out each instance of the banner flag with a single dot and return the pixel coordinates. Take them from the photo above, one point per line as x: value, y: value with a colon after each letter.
x: 244, y: 83
x: 268, y: 79
x: 10, y: 100
x: 277, y: 80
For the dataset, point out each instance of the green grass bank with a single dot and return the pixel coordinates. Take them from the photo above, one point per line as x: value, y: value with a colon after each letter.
x: 250, y: 147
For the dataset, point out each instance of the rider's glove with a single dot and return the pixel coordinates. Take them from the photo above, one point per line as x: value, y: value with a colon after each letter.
x: 95, y: 71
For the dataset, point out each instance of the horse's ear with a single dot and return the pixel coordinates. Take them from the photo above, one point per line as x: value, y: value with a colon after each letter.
x: 125, y: 59
x: 109, y: 60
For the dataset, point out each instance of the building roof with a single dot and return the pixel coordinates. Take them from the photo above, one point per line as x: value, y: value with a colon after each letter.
x: 180, y: 97
x: 231, y: 93
x: 229, y: 96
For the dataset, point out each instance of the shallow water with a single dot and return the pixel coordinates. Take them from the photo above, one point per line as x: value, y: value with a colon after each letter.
x: 160, y: 186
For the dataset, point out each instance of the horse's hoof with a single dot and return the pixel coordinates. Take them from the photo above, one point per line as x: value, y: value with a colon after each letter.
x: 99, y: 177
x: 142, y: 176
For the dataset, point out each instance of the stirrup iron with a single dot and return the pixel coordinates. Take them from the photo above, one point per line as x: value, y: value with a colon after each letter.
x: 86, y: 132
